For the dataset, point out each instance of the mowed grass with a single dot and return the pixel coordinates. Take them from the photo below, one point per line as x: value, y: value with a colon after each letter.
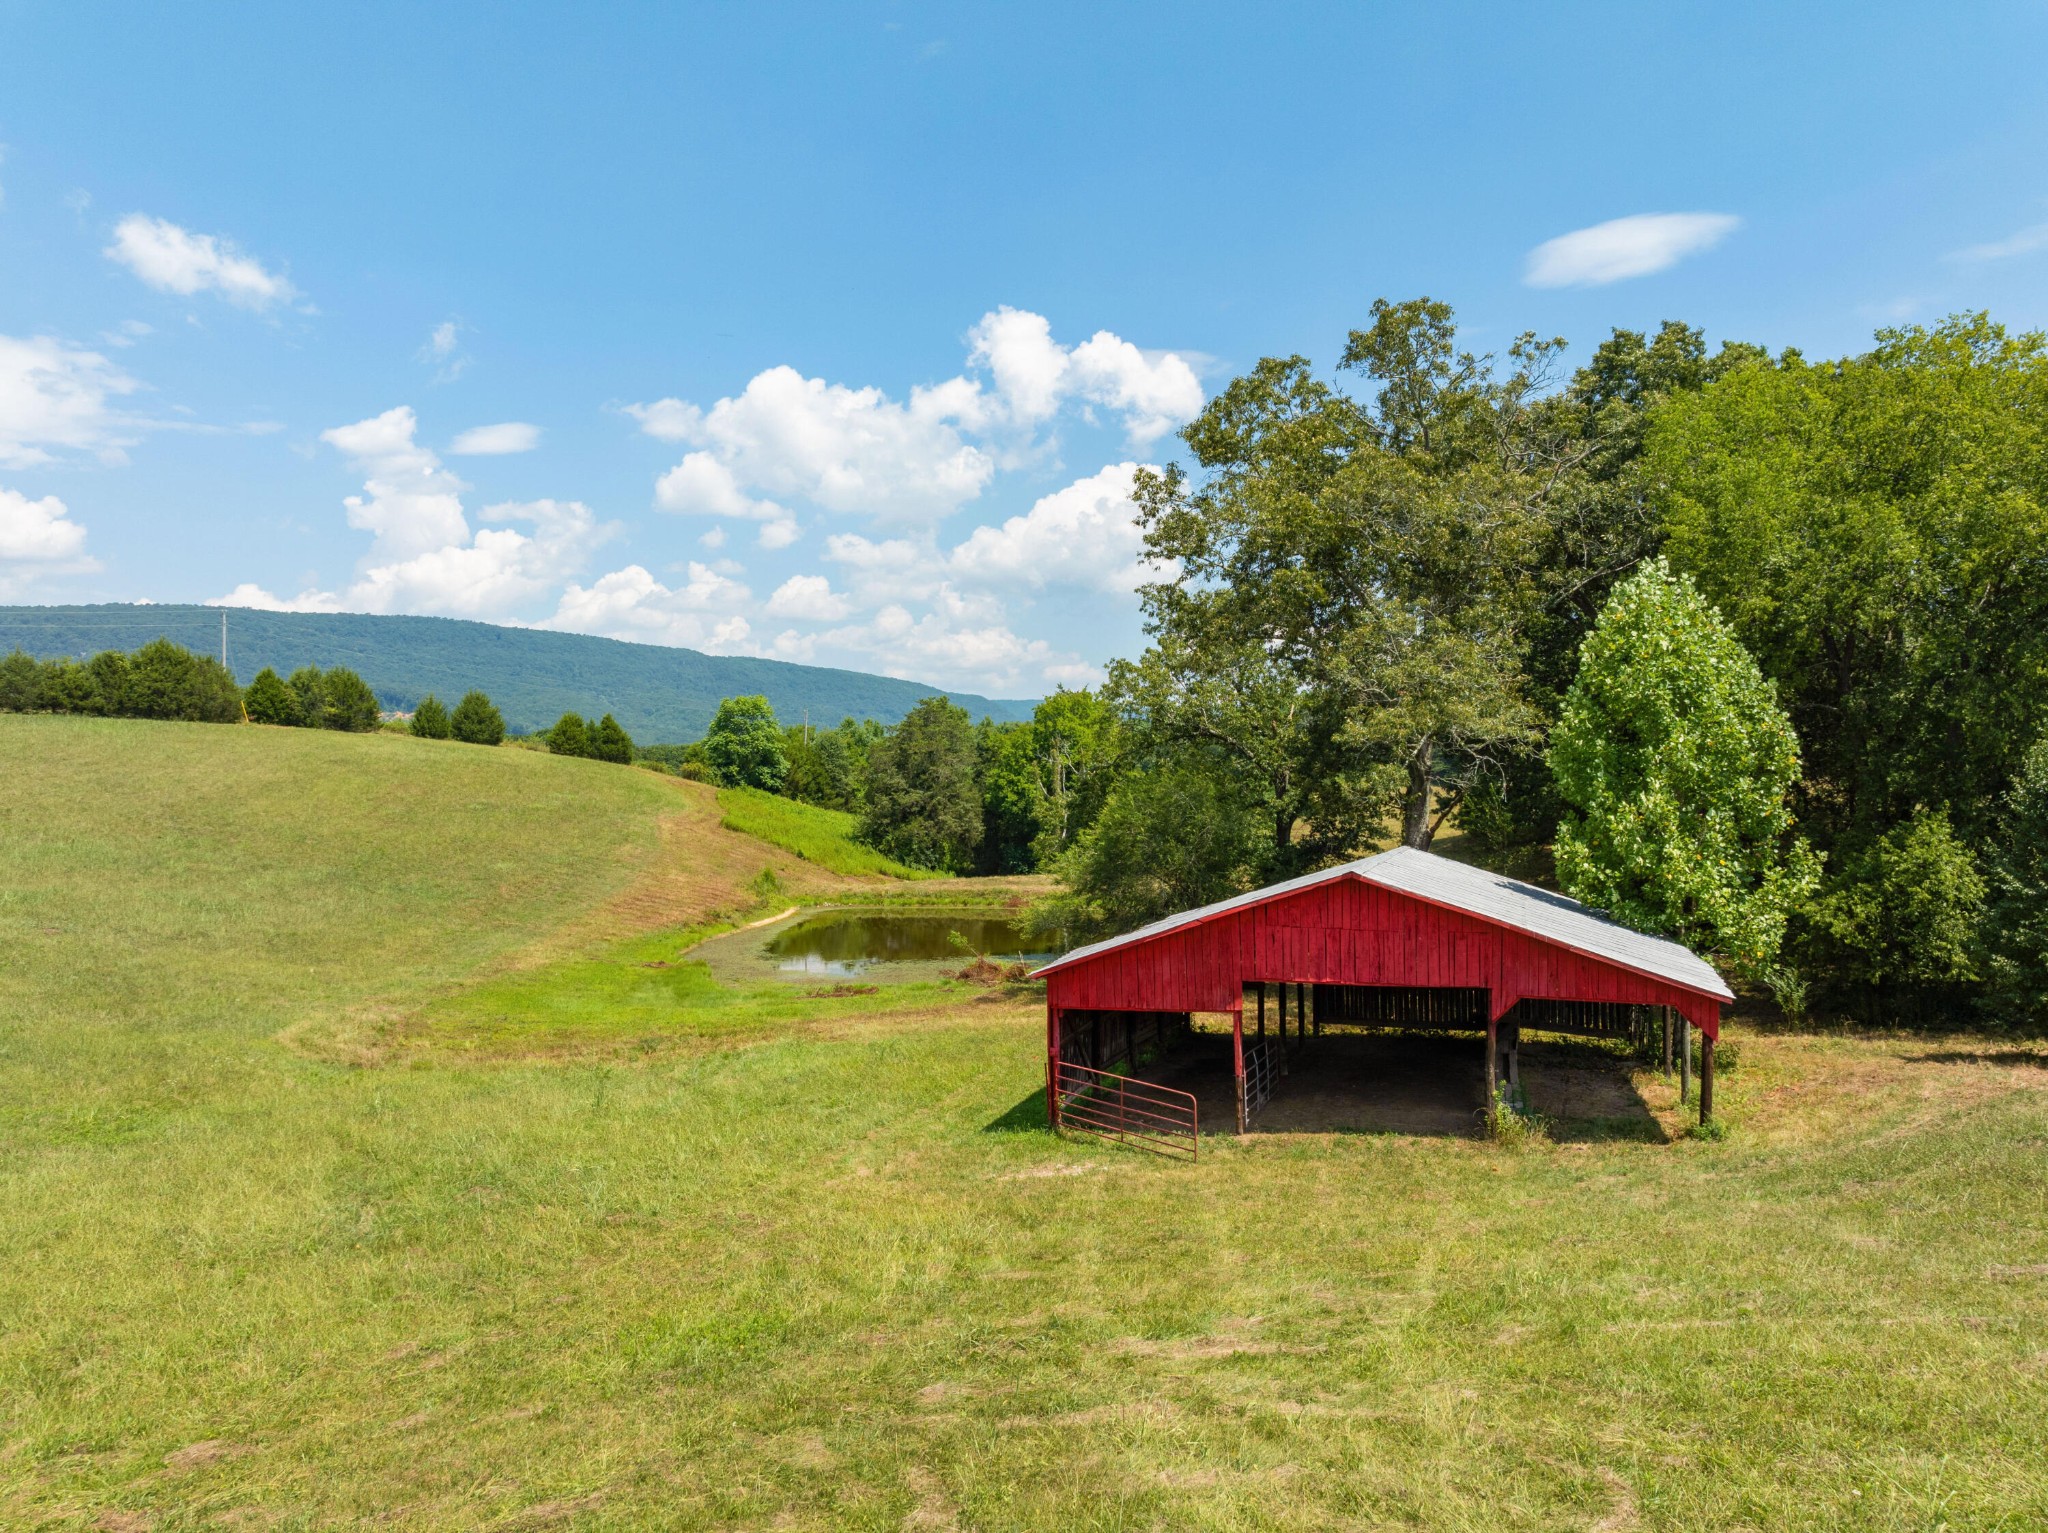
x: 823, y: 836
x: 826, y: 1270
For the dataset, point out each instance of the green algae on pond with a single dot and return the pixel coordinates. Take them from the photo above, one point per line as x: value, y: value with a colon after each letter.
x: 840, y: 942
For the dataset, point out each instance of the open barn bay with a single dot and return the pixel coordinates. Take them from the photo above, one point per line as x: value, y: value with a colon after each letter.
x: 324, y: 1200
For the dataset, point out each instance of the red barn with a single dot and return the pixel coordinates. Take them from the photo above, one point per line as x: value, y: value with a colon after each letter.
x: 1403, y: 939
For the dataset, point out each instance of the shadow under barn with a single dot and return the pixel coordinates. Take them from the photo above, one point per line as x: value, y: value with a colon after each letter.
x: 1366, y: 1059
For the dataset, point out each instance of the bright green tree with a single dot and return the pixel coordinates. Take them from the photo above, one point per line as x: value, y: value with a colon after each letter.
x: 743, y: 747
x: 923, y: 806
x: 610, y: 742
x: 430, y: 719
x: 570, y: 736
x: 476, y: 721
x: 1014, y: 810
x: 269, y: 700
x: 1675, y: 761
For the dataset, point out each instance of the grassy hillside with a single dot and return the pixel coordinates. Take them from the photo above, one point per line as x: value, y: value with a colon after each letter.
x: 823, y: 836
x: 659, y: 693
x: 369, y: 1152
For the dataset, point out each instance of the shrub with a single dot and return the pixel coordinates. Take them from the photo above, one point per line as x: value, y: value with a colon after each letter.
x: 168, y: 681
x: 430, y: 719
x: 744, y: 746
x: 1905, y: 910
x: 2016, y: 924
x: 351, y: 705
x: 309, y: 690
x: 477, y: 721
x: 269, y: 700
x: 110, y: 674
x: 1166, y: 840
x: 570, y: 736
x: 69, y: 687
x: 21, y: 683
x: 610, y: 742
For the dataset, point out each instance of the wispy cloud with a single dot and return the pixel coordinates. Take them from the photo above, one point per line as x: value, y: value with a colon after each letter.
x: 1621, y: 248
x: 2025, y: 242
x: 496, y: 441
x: 175, y: 260
x: 443, y: 351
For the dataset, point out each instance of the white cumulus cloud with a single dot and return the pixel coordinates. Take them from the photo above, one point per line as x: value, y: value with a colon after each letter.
x: 631, y: 604
x: 495, y: 441
x: 38, y: 539
x: 172, y: 259
x: 1086, y: 534
x: 1625, y: 247
x: 788, y: 439
x: 54, y: 395
x: 808, y: 597
x: 423, y: 556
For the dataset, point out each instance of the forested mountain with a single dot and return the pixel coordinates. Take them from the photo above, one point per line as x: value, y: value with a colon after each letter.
x: 656, y: 692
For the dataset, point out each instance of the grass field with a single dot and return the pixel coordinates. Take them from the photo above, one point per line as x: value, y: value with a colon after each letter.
x: 823, y: 836
x: 354, y: 1167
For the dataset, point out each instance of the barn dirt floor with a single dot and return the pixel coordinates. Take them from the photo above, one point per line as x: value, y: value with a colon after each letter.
x: 1412, y: 1083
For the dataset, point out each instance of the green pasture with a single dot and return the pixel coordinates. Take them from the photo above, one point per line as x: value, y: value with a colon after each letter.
x: 335, y: 1192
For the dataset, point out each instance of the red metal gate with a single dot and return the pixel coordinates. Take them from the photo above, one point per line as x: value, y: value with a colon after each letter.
x: 1127, y: 1110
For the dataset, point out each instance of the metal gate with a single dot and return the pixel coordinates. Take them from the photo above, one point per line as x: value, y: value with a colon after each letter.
x: 1261, y: 1072
x: 1124, y: 1109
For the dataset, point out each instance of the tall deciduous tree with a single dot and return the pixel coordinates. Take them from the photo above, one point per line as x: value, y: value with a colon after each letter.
x: 2016, y: 931
x: 1351, y: 581
x: 923, y: 806
x: 1677, y: 764
x: 743, y: 747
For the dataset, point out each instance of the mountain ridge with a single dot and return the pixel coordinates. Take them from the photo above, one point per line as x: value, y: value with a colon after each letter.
x: 658, y: 692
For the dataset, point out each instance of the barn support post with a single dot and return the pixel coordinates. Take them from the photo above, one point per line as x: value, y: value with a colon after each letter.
x: 1666, y: 1012
x: 1492, y: 1059
x: 1052, y: 1065
x: 1304, y: 1009
x: 1262, y: 1011
x: 1685, y: 1060
x: 1237, y: 1059
x: 1706, y: 1080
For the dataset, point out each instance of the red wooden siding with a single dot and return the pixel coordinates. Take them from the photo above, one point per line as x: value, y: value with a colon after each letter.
x: 1354, y: 932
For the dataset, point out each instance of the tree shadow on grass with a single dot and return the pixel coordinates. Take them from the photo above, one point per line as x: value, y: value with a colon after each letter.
x: 2016, y: 1058
x: 1028, y: 1116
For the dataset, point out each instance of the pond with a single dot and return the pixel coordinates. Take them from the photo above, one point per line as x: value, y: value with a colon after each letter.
x: 851, y: 941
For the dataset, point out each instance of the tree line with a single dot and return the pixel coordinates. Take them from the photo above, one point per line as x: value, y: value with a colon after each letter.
x: 1381, y: 601
x: 935, y: 791
x: 163, y: 680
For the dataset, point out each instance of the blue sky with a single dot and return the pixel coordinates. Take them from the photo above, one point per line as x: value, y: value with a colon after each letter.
x: 831, y: 333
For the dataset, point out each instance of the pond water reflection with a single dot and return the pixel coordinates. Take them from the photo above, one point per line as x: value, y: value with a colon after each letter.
x: 851, y: 941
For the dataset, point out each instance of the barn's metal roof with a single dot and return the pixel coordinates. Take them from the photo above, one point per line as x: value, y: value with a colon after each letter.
x: 1490, y: 896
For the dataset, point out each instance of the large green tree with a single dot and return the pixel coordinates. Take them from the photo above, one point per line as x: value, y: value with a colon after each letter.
x: 1876, y: 530
x: 1677, y: 765
x: 1352, y: 579
x: 923, y: 804
x: 743, y: 747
